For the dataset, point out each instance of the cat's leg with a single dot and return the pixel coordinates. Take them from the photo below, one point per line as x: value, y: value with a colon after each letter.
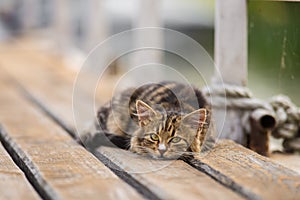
x: 133, y: 144
x: 93, y: 140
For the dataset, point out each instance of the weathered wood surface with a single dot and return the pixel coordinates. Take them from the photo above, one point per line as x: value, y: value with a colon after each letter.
x: 26, y: 63
x: 230, y: 56
x: 47, y: 78
x: 231, y: 41
x: 253, y: 175
x: 56, y: 164
x: 169, y: 179
x: 240, y: 169
x: 13, y: 183
x: 188, y: 182
x: 288, y: 160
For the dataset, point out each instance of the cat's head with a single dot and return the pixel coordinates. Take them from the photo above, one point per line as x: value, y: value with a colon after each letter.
x: 168, y: 135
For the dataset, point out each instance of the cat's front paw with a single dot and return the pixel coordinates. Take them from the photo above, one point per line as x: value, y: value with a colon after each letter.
x: 85, y: 139
x: 91, y: 141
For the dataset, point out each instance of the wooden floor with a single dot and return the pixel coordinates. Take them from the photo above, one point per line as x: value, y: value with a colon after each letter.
x: 39, y: 157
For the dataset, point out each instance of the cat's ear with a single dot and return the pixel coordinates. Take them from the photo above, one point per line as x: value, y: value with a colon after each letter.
x: 195, y: 119
x: 144, y: 112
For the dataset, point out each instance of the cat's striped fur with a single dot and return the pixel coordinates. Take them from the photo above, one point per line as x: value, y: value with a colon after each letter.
x: 163, y: 120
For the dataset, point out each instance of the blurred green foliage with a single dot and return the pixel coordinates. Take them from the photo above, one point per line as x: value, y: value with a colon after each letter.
x: 274, y: 48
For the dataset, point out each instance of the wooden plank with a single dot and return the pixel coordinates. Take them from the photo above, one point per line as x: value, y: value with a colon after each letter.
x: 290, y: 161
x: 59, y: 166
x: 30, y: 58
x: 230, y: 164
x: 187, y: 181
x: 245, y: 171
x: 169, y: 179
x: 49, y: 73
x: 12, y: 179
x: 59, y: 103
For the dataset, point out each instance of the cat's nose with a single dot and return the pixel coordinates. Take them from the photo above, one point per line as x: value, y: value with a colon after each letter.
x: 162, y: 152
x: 162, y: 149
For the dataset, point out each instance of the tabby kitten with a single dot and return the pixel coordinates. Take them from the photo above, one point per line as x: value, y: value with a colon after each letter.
x: 164, y: 120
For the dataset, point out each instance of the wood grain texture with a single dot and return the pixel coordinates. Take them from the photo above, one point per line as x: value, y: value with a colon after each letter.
x: 245, y: 171
x: 13, y: 183
x: 231, y: 41
x: 61, y: 167
x: 169, y: 179
x: 240, y: 169
x: 291, y: 161
x: 186, y: 180
x: 231, y: 61
x: 34, y: 68
x: 48, y: 78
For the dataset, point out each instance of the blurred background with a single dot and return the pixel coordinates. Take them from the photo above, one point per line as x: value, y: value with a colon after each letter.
x: 70, y: 29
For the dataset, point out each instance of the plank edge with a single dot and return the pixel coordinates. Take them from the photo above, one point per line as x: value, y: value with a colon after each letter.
x: 27, y: 167
x: 222, y: 179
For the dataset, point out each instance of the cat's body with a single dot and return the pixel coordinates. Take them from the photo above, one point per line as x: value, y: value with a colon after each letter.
x: 162, y: 120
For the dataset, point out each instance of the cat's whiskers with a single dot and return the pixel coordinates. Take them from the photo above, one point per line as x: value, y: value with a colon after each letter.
x: 142, y: 148
x: 185, y: 152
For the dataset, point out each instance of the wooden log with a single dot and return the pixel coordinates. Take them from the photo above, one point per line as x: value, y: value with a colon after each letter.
x: 231, y: 61
x: 231, y: 41
x: 30, y: 14
x: 252, y: 175
x: 56, y: 165
x: 96, y: 30
x: 62, y: 31
x: 148, y: 15
x: 95, y: 24
x: 12, y: 179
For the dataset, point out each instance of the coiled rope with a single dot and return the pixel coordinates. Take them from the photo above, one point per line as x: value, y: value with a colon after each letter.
x: 286, y: 113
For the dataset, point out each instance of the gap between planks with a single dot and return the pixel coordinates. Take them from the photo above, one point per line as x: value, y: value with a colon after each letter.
x: 13, y: 179
x: 55, y: 164
x: 248, y: 172
x: 137, y: 181
x: 25, y: 164
x: 126, y: 177
x: 226, y: 169
x: 216, y: 171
